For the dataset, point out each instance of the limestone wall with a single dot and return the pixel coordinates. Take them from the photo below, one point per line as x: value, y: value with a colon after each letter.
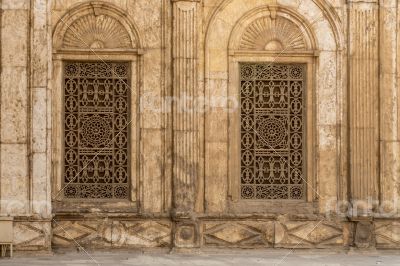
x: 184, y: 189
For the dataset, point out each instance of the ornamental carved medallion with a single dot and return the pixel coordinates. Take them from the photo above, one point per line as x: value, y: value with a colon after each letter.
x: 272, y: 131
x: 96, y: 130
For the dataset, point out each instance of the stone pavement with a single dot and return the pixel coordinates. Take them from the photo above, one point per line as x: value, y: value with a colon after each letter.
x: 212, y: 258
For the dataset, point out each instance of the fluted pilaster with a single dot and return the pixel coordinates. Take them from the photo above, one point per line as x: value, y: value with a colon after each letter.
x: 364, y: 102
x: 185, y: 116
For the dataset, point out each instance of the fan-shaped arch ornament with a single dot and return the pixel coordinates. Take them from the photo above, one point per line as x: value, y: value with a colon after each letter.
x: 96, y: 32
x: 272, y: 34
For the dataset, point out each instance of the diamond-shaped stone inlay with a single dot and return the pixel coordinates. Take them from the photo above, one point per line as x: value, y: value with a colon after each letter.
x: 234, y: 234
x: 238, y: 233
x: 387, y: 234
x: 300, y: 234
x: 152, y: 231
x: 31, y: 235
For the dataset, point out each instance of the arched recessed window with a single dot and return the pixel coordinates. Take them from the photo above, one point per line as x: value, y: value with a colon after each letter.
x: 96, y: 61
x: 271, y: 68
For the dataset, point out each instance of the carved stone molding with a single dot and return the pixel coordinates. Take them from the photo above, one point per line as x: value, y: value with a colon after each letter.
x: 272, y: 29
x: 32, y: 236
x: 238, y: 234
x: 96, y: 25
x: 108, y: 233
x: 308, y: 234
x: 387, y: 234
x: 96, y: 32
x: 186, y: 235
x: 267, y: 233
x: 364, y: 234
x: 272, y: 34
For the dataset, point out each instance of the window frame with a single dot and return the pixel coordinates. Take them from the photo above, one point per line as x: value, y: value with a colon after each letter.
x: 236, y: 204
x: 62, y: 204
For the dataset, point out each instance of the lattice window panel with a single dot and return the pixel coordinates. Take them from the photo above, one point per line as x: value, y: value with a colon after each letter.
x: 272, y: 131
x: 96, y: 140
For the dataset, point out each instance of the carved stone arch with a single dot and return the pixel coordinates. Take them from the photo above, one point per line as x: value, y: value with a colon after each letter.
x: 323, y: 5
x: 96, y: 25
x: 272, y: 29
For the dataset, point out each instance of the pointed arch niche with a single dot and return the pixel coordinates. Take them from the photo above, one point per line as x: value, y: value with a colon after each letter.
x: 263, y: 34
x: 88, y: 35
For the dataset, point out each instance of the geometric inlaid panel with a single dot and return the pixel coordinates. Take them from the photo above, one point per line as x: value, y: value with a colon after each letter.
x: 387, y: 234
x: 267, y: 233
x: 32, y: 236
x: 298, y: 234
x: 107, y: 233
x: 96, y: 139
x: 141, y: 234
x: 238, y: 234
x: 272, y: 117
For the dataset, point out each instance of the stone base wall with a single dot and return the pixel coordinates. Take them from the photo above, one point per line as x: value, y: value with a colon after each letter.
x: 111, y: 233
x: 274, y: 234
x: 135, y: 233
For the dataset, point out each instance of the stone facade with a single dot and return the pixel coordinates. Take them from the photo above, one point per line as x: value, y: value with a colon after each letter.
x: 184, y: 160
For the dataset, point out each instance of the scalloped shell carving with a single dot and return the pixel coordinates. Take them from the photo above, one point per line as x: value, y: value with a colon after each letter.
x: 272, y: 35
x: 96, y: 32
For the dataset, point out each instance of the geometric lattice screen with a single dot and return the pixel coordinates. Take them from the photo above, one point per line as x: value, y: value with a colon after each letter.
x: 272, y: 131
x: 96, y: 131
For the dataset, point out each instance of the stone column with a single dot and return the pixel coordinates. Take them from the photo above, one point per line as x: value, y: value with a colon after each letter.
x: 186, y: 131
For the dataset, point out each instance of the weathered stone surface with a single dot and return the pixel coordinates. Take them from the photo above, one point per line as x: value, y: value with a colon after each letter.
x: 32, y: 236
x: 308, y: 234
x: 14, y: 107
x: 14, y: 39
x: 14, y: 179
x: 244, y: 234
x: 364, y: 235
x: 185, y: 147
x: 387, y: 234
x: 86, y: 233
x: 108, y: 233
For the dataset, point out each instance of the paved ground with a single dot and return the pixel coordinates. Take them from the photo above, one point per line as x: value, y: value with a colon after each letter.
x: 222, y: 258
